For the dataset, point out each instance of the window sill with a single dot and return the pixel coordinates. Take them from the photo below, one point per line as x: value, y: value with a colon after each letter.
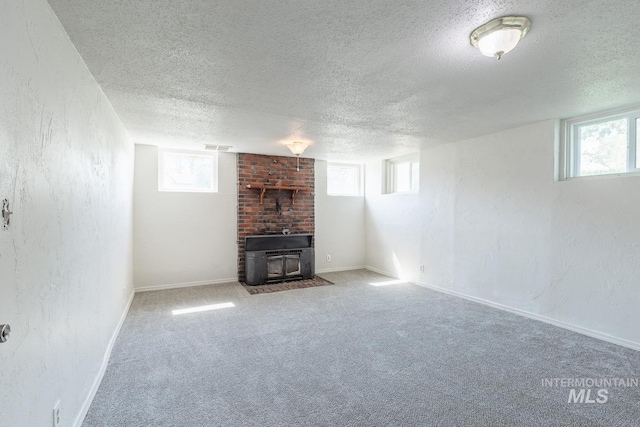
x: 401, y: 193
x: 605, y: 176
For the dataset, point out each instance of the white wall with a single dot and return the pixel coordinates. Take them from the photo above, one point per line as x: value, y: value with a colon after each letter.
x: 339, y: 227
x: 392, y: 224
x: 183, y: 238
x: 497, y: 227
x: 66, y: 164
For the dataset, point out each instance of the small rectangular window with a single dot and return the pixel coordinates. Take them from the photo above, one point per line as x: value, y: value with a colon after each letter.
x: 402, y: 174
x: 187, y: 171
x: 344, y: 179
x: 602, y: 148
x: 602, y: 144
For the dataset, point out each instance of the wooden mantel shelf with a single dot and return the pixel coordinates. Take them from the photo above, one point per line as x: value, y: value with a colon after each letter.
x: 264, y: 187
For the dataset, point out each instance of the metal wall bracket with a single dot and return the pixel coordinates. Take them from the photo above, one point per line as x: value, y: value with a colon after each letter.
x: 6, y: 215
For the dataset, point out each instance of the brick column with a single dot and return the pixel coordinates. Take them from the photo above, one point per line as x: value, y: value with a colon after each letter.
x: 259, y: 219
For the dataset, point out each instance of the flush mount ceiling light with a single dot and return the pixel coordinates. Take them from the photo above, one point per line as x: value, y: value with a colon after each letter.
x: 297, y: 148
x: 497, y: 37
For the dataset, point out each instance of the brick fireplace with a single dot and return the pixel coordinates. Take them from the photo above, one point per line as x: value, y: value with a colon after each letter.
x: 279, y: 198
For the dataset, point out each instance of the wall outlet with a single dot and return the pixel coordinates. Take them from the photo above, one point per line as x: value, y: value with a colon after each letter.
x: 422, y: 268
x: 328, y: 258
x: 56, y: 414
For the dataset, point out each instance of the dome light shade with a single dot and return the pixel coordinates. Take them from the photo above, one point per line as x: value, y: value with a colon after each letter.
x: 297, y: 147
x: 499, y: 41
x: 500, y: 36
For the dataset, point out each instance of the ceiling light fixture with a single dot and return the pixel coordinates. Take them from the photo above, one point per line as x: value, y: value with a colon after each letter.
x: 297, y: 148
x: 497, y: 37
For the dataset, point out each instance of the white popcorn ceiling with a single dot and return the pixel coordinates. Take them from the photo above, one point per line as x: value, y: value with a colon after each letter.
x: 360, y: 79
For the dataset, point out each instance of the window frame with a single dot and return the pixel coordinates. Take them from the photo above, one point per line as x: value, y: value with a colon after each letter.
x: 359, y: 173
x: 196, y: 153
x: 570, y: 142
x: 390, y: 167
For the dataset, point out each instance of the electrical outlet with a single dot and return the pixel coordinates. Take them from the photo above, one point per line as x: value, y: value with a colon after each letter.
x: 422, y: 268
x: 328, y: 258
x: 56, y: 414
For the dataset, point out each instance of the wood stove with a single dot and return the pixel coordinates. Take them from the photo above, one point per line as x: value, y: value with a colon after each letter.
x: 280, y: 257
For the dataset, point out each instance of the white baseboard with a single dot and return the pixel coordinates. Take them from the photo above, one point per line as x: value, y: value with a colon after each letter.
x: 377, y: 270
x: 584, y: 331
x: 105, y: 361
x: 333, y: 270
x: 185, y: 285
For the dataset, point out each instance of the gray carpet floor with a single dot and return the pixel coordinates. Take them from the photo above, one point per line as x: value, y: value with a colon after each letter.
x: 351, y: 354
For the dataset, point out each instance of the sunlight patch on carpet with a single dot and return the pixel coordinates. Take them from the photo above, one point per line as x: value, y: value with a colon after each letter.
x: 388, y: 282
x: 203, y: 308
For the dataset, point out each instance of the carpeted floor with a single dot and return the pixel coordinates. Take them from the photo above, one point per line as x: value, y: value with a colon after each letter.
x: 285, y: 286
x: 351, y: 354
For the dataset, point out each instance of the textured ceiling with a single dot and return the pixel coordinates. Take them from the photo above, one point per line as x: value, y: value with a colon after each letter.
x: 360, y: 79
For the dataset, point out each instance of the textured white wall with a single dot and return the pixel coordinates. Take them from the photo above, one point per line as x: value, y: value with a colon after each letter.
x: 339, y: 227
x: 183, y: 238
x: 392, y: 224
x: 66, y: 164
x: 496, y: 226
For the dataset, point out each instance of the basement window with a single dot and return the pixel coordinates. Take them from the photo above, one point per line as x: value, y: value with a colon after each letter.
x: 344, y: 179
x: 601, y: 144
x: 402, y: 174
x: 187, y: 171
